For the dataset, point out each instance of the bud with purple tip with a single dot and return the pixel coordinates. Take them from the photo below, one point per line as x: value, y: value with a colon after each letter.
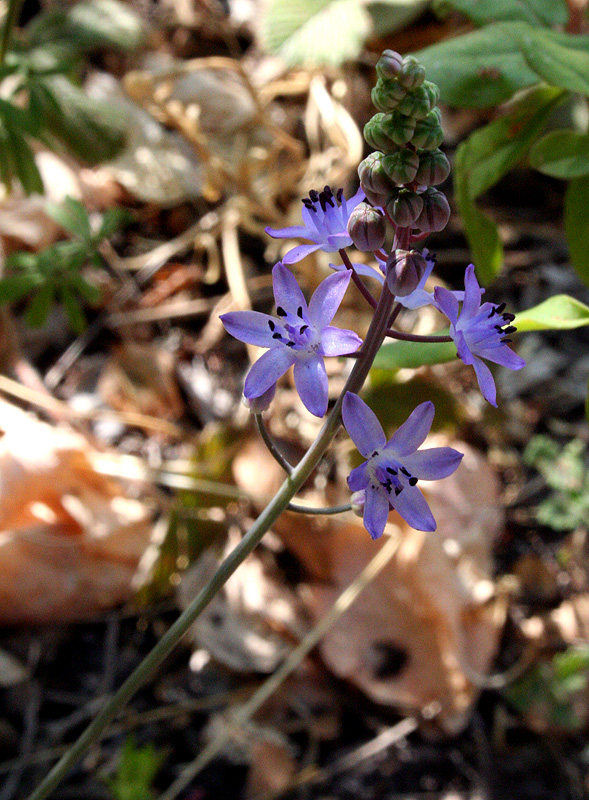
x: 405, y: 269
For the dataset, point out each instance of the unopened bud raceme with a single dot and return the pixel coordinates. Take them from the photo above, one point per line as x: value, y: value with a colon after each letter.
x: 367, y: 228
x: 405, y: 269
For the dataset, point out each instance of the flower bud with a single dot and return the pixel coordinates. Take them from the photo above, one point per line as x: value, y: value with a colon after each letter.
x: 367, y: 228
x: 373, y: 177
x: 386, y: 95
x: 375, y: 136
x: 398, y: 127
x: 357, y: 501
x: 435, y: 213
x: 433, y: 169
x: 404, y: 208
x: 405, y: 269
x: 428, y: 134
x: 419, y: 102
x: 401, y: 166
x: 389, y: 65
x: 258, y: 404
x: 412, y: 73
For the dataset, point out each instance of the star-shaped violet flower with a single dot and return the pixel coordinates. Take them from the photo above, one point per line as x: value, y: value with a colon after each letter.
x: 325, y: 216
x: 389, y: 476
x: 300, y: 335
x: 479, y: 331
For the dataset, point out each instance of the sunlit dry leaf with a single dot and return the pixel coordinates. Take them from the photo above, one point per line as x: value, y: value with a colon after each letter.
x: 70, y: 540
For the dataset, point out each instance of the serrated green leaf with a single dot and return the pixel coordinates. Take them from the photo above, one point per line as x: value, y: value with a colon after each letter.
x: 560, y: 312
x: 72, y: 216
x: 576, y: 203
x: 484, y: 158
x: 40, y: 306
x: 561, y: 154
x: 479, y: 69
x: 15, y: 287
x: 536, y: 12
x: 401, y: 355
x: 561, y: 59
x: 317, y: 32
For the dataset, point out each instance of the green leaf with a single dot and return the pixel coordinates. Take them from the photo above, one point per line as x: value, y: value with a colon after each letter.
x: 560, y: 312
x: 90, y: 293
x: 561, y: 59
x: 389, y: 16
x: 401, y: 355
x: 92, y: 129
x: 15, y: 287
x: 484, y: 158
x: 479, y: 69
x: 315, y: 32
x: 136, y: 771
x: 112, y: 221
x: 73, y: 310
x: 23, y: 162
x: 576, y: 203
x: 536, y: 12
x: 40, y: 306
x: 561, y: 154
x: 72, y: 216
x: 105, y: 22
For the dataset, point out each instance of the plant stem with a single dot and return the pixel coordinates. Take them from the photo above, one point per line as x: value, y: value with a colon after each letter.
x: 12, y: 15
x: 357, y: 279
x: 252, y: 538
x: 271, y: 445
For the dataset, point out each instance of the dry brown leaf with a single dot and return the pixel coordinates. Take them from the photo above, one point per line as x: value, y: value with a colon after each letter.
x: 70, y: 541
x: 272, y: 768
x: 425, y: 629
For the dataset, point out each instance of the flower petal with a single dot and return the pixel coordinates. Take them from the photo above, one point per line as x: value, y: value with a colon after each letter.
x: 434, y: 463
x: 311, y: 382
x: 361, y: 269
x: 472, y: 294
x: 376, y: 510
x: 338, y: 342
x: 266, y: 371
x: 417, y: 299
x: 359, y: 477
x: 506, y: 357
x: 299, y: 252
x: 287, y: 292
x: 327, y: 298
x: 413, y: 431
x: 294, y: 232
x: 447, y: 303
x: 362, y: 425
x: 411, y: 505
x: 486, y: 382
x: 251, y: 327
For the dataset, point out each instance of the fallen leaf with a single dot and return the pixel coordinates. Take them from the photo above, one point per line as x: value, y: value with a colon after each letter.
x: 70, y: 540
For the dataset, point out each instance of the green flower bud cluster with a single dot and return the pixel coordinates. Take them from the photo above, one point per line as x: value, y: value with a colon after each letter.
x: 406, y: 134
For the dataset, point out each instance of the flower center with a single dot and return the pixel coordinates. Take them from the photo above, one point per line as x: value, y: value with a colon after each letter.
x: 325, y: 198
x: 295, y: 332
x: 391, y: 474
x: 490, y: 329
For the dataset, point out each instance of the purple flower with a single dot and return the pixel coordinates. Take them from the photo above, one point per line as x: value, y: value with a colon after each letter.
x: 390, y: 474
x: 479, y: 331
x: 325, y: 218
x: 300, y: 334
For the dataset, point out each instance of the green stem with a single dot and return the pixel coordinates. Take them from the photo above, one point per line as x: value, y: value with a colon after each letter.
x: 12, y: 15
x: 252, y: 538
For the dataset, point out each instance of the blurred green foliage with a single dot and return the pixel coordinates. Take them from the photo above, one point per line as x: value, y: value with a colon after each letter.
x: 136, y: 771
x: 55, y: 274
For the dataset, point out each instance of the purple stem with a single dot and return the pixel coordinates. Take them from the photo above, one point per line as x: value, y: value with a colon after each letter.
x: 357, y: 279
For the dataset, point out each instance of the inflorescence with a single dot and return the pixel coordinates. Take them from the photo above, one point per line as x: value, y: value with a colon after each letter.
x: 397, y: 193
